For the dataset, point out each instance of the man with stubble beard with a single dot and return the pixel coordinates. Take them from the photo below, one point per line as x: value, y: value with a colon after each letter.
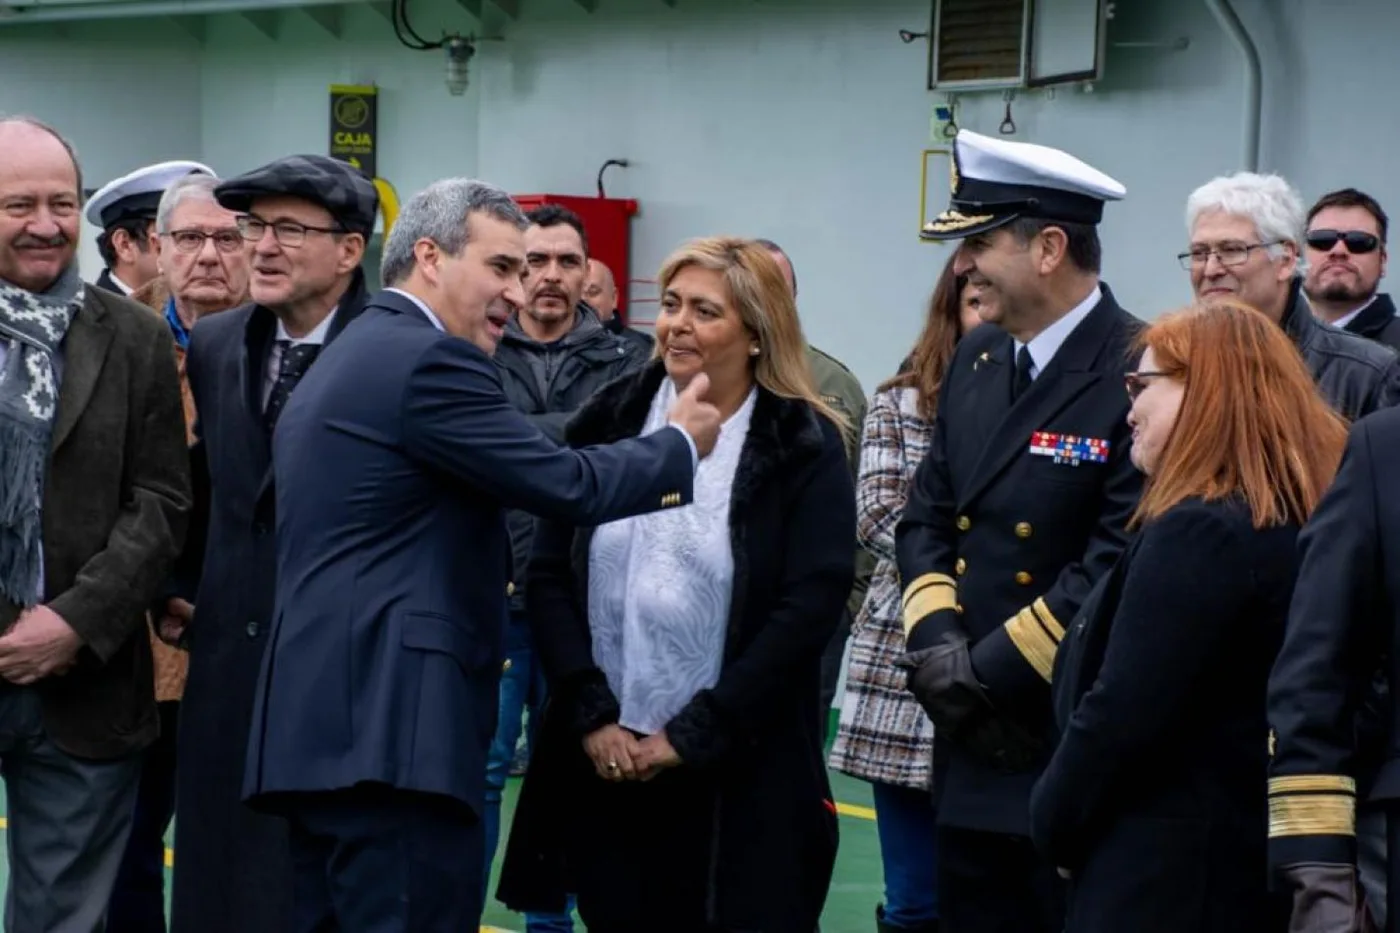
x: 1346, y: 262
x: 554, y: 355
x: 306, y: 219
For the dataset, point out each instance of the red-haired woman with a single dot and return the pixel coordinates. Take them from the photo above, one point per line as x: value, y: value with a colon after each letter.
x: 1154, y: 801
x: 884, y: 736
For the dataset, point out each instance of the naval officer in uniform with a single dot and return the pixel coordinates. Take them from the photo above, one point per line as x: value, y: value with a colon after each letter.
x: 1020, y: 506
x: 124, y: 210
x: 1345, y: 613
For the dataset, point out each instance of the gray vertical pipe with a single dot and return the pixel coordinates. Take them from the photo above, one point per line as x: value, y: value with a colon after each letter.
x: 1253, y: 85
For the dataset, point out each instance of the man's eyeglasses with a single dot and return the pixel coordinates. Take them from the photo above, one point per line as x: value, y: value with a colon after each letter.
x: 285, y: 232
x: 1229, y: 254
x: 1136, y: 382
x: 192, y: 241
x: 1357, y: 241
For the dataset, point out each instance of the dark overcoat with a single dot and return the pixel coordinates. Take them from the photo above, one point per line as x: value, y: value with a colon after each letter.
x: 232, y: 866
x: 1154, y: 798
x: 756, y: 736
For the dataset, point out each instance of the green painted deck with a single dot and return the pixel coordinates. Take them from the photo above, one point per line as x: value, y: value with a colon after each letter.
x: 855, y: 890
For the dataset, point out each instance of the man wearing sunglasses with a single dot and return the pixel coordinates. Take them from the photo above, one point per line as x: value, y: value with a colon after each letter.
x: 1346, y: 262
x: 1246, y: 241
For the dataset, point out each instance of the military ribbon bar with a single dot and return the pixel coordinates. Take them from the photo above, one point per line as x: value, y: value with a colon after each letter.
x: 1069, y: 448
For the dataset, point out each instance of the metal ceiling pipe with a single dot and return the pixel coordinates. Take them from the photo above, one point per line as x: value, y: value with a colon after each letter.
x: 58, y: 11
x: 1253, y: 84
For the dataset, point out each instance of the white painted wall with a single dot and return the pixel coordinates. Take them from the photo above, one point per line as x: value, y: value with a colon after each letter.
x: 126, y: 94
x: 801, y: 120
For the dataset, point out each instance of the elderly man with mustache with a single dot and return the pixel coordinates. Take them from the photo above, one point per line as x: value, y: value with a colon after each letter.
x: 94, y: 495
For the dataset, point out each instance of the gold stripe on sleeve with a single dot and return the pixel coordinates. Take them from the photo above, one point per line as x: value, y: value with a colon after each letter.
x: 1312, y: 815
x: 1048, y: 620
x: 1303, y: 783
x: 928, y: 594
x: 1033, y: 641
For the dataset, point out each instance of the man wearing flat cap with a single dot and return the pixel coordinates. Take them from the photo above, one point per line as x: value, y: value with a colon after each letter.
x: 307, y: 219
x: 1021, y: 505
x: 124, y: 210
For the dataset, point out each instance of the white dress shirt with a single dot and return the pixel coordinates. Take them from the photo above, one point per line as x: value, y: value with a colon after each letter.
x: 1347, y: 318
x: 1046, y: 344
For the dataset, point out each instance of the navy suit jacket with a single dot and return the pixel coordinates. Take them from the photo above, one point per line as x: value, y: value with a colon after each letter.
x: 394, y: 461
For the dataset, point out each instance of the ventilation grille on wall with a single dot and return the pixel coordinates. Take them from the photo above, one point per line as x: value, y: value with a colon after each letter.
x: 979, y: 40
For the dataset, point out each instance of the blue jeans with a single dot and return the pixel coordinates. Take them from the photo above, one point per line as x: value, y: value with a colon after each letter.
x: 906, y: 821
x: 522, y: 687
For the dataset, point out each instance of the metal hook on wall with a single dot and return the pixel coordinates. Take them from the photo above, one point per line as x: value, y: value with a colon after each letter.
x: 1008, y: 125
x: 949, y: 115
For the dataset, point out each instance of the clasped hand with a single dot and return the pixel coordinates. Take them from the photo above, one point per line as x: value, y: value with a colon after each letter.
x: 38, y: 645
x: 618, y: 755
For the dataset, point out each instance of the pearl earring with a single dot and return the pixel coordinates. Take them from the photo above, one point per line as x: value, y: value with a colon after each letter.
x: 753, y: 350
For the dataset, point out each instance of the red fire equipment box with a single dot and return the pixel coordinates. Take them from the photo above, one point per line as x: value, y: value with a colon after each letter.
x: 609, y: 225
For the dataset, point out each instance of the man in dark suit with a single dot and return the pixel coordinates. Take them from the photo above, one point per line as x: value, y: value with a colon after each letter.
x: 307, y: 219
x: 95, y: 484
x: 1021, y: 505
x: 393, y: 462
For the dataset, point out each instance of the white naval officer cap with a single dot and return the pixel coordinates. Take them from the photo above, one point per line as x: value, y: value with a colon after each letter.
x: 137, y: 195
x: 995, y: 181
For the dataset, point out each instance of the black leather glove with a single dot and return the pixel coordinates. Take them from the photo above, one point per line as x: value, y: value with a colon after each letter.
x: 943, y: 681
x: 1326, y: 898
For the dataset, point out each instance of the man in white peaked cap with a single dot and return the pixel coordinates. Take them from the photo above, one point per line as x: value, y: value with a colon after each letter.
x: 125, y: 211
x: 1021, y: 505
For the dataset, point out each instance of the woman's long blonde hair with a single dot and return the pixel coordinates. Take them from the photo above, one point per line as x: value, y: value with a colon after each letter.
x: 765, y: 304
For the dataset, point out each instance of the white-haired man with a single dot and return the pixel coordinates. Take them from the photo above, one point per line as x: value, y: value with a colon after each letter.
x: 204, y: 265
x: 1246, y: 236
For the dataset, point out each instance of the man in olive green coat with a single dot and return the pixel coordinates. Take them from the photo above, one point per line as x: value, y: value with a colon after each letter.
x: 839, y: 388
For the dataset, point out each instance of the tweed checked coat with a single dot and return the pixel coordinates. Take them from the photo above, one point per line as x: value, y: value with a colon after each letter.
x: 884, y: 735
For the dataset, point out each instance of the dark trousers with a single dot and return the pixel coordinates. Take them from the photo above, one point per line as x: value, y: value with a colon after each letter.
x: 138, y: 898
x: 996, y: 883
x: 379, y: 860
x: 1392, y: 836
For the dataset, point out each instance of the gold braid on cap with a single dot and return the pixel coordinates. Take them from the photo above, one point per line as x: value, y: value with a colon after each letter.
x: 955, y: 220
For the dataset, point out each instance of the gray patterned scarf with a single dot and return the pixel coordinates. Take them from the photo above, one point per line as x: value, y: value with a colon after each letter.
x: 32, y: 325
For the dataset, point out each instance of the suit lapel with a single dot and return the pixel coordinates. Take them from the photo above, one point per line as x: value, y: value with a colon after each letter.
x: 84, y: 351
x: 258, y: 334
x: 1074, y: 369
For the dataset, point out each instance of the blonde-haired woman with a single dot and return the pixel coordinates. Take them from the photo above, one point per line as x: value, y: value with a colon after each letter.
x: 678, y: 780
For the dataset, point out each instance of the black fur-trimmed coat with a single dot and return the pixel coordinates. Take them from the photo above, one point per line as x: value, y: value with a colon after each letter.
x: 756, y: 736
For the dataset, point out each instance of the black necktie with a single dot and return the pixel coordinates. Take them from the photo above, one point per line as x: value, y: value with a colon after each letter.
x: 1022, y: 380
x: 296, y: 360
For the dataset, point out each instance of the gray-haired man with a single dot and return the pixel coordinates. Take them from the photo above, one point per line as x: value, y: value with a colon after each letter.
x: 393, y: 462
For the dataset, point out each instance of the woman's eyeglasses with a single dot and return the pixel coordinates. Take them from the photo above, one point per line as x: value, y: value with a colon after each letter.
x: 1357, y: 241
x: 1136, y: 382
